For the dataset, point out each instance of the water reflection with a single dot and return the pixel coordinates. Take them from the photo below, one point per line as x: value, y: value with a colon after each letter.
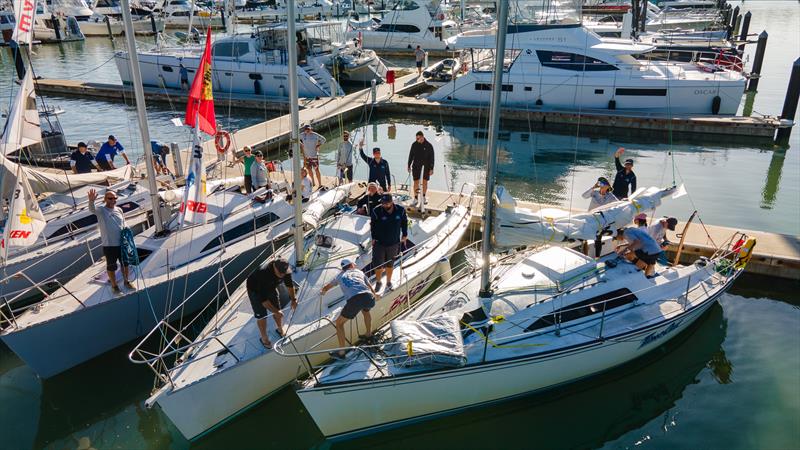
x: 773, y: 181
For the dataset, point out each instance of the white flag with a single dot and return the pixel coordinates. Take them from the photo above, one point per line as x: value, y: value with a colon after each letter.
x: 25, y: 220
x: 194, y: 204
x: 24, y: 12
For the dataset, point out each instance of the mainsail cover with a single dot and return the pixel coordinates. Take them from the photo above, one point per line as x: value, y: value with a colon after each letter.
x: 517, y: 227
x: 41, y: 181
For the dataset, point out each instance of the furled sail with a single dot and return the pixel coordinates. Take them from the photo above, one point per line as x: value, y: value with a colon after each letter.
x: 22, y: 127
x: 516, y: 227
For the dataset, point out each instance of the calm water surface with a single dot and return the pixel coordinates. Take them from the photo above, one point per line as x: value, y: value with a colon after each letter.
x: 731, y: 381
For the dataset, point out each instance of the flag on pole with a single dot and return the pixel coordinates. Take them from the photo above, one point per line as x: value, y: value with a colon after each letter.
x: 200, y: 109
x: 24, y: 11
x: 25, y: 220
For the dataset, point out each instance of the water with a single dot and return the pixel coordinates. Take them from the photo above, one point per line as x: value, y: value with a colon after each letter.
x: 730, y: 382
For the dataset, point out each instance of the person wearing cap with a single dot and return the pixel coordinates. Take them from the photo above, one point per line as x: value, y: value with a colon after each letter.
x: 109, y: 149
x: 81, y: 160
x: 344, y: 159
x: 640, y: 220
x: 639, y: 248
x: 258, y: 172
x: 625, y: 178
x: 378, y: 168
x: 110, y: 223
x: 658, y: 230
x: 600, y: 194
x: 247, y: 159
x: 310, y: 143
x: 360, y: 297
x: 389, y: 228
x: 263, y: 290
x: 370, y: 200
x: 421, y: 159
x: 160, y: 152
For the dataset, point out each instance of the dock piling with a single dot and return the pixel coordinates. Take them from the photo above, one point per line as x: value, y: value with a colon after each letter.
x: 745, y: 30
x: 737, y: 26
x: 755, y: 73
x: 732, y: 23
x: 790, y: 103
x: 154, y: 27
x: 177, y: 161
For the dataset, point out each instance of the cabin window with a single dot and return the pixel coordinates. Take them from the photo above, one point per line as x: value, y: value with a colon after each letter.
x: 231, y: 49
x: 83, y: 222
x: 528, y: 88
x: 405, y: 5
x: 488, y: 87
x: 180, y: 14
x: 572, y: 61
x: 483, y: 59
x: 642, y: 92
x: 242, y: 230
x: 399, y: 28
x: 128, y: 206
x: 166, y: 68
x: 256, y: 76
x: 599, y: 91
x: 594, y: 305
x: 3, y: 19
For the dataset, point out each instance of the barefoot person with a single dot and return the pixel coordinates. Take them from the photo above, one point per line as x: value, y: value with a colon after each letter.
x: 110, y: 222
x: 262, y: 289
x: 360, y: 297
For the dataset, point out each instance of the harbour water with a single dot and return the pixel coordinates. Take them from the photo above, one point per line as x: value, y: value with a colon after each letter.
x: 731, y: 381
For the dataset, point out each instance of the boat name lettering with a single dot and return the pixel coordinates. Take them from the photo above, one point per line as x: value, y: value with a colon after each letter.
x: 659, y: 334
x: 411, y: 293
x: 705, y: 91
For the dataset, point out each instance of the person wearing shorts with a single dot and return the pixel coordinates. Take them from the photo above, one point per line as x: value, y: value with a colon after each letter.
x: 110, y: 222
x: 360, y: 297
x: 639, y: 248
x: 419, y: 58
x: 421, y: 159
x: 389, y: 228
x: 263, y: 290
x: 310, y: 142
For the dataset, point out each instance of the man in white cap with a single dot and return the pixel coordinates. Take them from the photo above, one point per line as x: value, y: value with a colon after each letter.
x: 360, y: 297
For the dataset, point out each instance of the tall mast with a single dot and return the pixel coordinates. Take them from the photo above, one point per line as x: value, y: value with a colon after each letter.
x: 491, y: 151
x: 294, y: 123
x: 141, y: 110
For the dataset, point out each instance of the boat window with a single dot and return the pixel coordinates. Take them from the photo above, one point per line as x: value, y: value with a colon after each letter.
x: 488, y: 87
x: 180, y: 14
x: 642, y: 92
x: 231, y: 49
x: 241, y: 230
x: 572, y: 61
x: 166, y: 68
x: 483, y: 60
x: 594, y: 305
x: 405, y: 5
x: 400, y: 28
x: 128, y: 207
x: 3, y: 19
x: 83, y: 222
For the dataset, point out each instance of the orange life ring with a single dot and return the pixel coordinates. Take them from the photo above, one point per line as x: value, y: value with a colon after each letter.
x: 222, y: 141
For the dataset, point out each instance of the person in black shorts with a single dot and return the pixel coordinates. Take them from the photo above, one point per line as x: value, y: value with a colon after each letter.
x: 420, y: 164
x: 265, y: 298
x: 389, y: 228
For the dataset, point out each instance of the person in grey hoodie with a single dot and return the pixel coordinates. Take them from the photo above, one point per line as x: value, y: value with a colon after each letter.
x: 110, y: 222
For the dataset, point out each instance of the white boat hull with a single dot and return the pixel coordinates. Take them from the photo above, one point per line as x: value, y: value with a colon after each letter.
x: 423, y: 396
x: 94, y: 28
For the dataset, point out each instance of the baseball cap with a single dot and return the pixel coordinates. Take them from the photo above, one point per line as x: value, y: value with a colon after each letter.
x: 111, y: 136
x: 386, y: 198
x: 283, y: 266
x: 640, y: 216
x: 307, y: 127
x: 345, y: 263
x: 671, y: 223
x: 629, y: 161
x: 258, y: 153
x: 604, y: 181
x: 376, y: 150
x: 81, y: 144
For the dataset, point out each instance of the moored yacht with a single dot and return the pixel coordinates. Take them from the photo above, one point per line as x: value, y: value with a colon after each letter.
x: 562, y: 65
x: 256, y: 63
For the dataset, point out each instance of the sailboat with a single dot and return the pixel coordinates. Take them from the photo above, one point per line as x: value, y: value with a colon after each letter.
x: 514, y: 325
x: 201, y: 252
x: 227, y: 356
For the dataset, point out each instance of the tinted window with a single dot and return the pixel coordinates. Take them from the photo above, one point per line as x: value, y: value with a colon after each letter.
x: 488, y: 87
x: 391, y: 28
x: 231, y: 49
x: 242, y: 230
x: 585, y: 308
x: 642, y: 92
x: 91, y: 219
x: 572, y: 61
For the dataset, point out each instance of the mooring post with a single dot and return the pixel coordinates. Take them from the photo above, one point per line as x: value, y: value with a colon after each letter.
x: 755, y: 73
x: 745, y: 30
x: 790, y: 103
x: 177, y: 159
x: 154, y: 27
x: 635, y: 15
x: 374, y: 91
x: 737, y: 25
x: 732, y: 23
x: 642, y: 16
x: 222, y: 16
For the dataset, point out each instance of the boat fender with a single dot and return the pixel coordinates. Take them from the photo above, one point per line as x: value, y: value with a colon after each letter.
x: 745, y: 252
x: 222, y: 141
x: 539, y: 102
x: 445, y: 271
x: 715, y: 104
x: 612, y: 104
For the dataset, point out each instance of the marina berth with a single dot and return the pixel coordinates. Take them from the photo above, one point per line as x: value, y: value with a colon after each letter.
x: 563, y: 65
x: 256, y: 63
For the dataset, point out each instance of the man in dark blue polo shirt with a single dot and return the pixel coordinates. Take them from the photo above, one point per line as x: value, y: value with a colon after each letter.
x: 378, y: 168
x: 109, y: 149
x: 82, y: 160
x: 625, y: 177
x: 389, y: 227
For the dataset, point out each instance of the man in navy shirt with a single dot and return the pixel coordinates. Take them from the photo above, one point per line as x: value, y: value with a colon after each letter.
x: 105, y: 157
x: 625, y: 176
x: 81, y: 160
x: 160, y: 152
x: 389, y: 228
x: 378, y: 168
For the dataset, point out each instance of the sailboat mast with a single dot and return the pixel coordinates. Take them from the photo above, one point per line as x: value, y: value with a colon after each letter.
x: 141, y: 110
x: 491, y: 151
x: 294, y: 123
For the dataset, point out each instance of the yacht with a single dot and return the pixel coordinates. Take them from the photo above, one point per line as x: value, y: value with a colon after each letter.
x: 180, y: 13
x: 256, y: 63
x: 7, y: 21
x: 52, y: 26
x: 561, y: 64
x: 92, y: 23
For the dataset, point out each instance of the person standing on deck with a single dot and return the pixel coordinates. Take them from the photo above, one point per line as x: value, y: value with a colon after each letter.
x: 109, y: 149
x: 370, y: 200
x: 310, y: 142
x: 265, y: 298
x: 247, y: 159
x: 419, y: 58
x: 625, y: 177
x: 421, y: 160
x: 110, y: 222
x: 81, y: 160
x: 378, y: 168
x: 184, y: 78
x: 344, y: 159
x: 258, y: 173
x: 389, y: 228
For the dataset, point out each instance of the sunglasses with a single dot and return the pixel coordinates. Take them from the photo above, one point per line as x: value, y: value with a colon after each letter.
x: 247, y: 150
x: 111, y: 198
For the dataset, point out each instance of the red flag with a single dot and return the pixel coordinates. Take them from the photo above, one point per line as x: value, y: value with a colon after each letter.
x: 201, y: 100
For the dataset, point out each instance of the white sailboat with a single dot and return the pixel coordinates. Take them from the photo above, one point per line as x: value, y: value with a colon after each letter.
x: 227, y: 356
x: 533, y: 320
